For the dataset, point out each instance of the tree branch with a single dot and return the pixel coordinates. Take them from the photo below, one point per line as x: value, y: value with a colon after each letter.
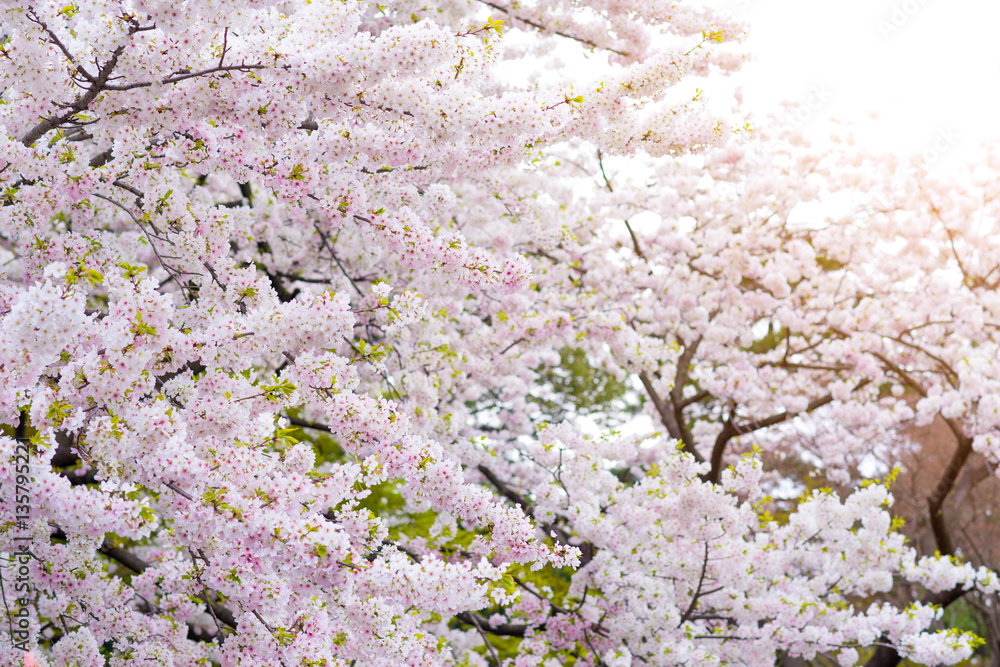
x: 731, y: 430
x: 668, y: 418
x: 677, y: 392
x: 301, y: 423
x: 80, y: 104
x: 935, y: 501
x: 886, y: 655
x: 697, y: 592
x: 481, y: 624
x: 539, y: 26
x: 182, y: 76
x: 587, y: 549
x: 138, y: 565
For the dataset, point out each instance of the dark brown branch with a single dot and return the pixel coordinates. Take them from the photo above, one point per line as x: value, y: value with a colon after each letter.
x: 949, y: 372
x: 969, y: 479
x: 635, y: 240
x: 700, y: 396
x: 65, y: 454
x: 668, y: 418
x: 284, y: 296
x: 98, y: 85
x: 182, y: 76
x: 502, y: 630
x: 697, y: 592
x: 80, y: 478
x: 204, y: 589
x: 953, y: 425
x: 123, y: 557
x: 604, y: 174
x: 727, y: 433
x: 512, y: 345
x: 100, y: 159
x: 677, y: 392
x: 731, y: 430
x: 507, y: 492
x: 246, y: 190
x: 139, y: 194
x: 225, y: 46
x: 66, y: 458
x: 301, y: 423
x: 179, y: 491
x: 54, y: 39
x: 806, y: 367
x: 137, y: 565
x: 486, y: 640
x: 935, y: 502
x: 815, y: 404
x: 966, y: 278
x: 587, y: 549
x: 78, y: 134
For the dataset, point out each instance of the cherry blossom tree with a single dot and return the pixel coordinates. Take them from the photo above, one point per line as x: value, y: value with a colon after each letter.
x: 813, y: 304
x: 286, y: 287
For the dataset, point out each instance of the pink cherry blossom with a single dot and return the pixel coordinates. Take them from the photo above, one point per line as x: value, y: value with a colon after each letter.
x: 286, y: 293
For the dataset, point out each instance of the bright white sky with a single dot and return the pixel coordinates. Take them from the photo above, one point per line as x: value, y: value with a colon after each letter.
x: 933, y: 76
x: 928, y: 68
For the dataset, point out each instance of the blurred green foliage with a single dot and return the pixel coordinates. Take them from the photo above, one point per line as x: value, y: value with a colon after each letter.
x: 578, y: 388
